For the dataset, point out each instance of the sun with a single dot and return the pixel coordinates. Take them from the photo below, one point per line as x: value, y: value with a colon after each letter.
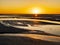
x: 35, y: 10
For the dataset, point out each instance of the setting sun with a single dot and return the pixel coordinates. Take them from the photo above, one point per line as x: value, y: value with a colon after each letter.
x: 35, y: 11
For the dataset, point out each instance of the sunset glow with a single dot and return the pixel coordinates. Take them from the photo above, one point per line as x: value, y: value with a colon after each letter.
x: 35, y: 11
x: 22, y: 6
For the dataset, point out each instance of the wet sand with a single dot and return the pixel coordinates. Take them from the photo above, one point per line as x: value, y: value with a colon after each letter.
x: 20, y: 40
x: 27, y: 38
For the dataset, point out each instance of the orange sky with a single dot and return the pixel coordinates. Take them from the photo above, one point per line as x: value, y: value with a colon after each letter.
x: 24, y: 6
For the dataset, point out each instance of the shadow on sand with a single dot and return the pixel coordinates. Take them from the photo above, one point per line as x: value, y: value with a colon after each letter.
x: 11, y: 40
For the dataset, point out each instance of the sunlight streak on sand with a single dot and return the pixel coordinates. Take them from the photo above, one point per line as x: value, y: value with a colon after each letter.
x: 35, y: 36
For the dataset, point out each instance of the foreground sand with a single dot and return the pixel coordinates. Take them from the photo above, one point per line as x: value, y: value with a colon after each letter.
x: 28, y: 39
